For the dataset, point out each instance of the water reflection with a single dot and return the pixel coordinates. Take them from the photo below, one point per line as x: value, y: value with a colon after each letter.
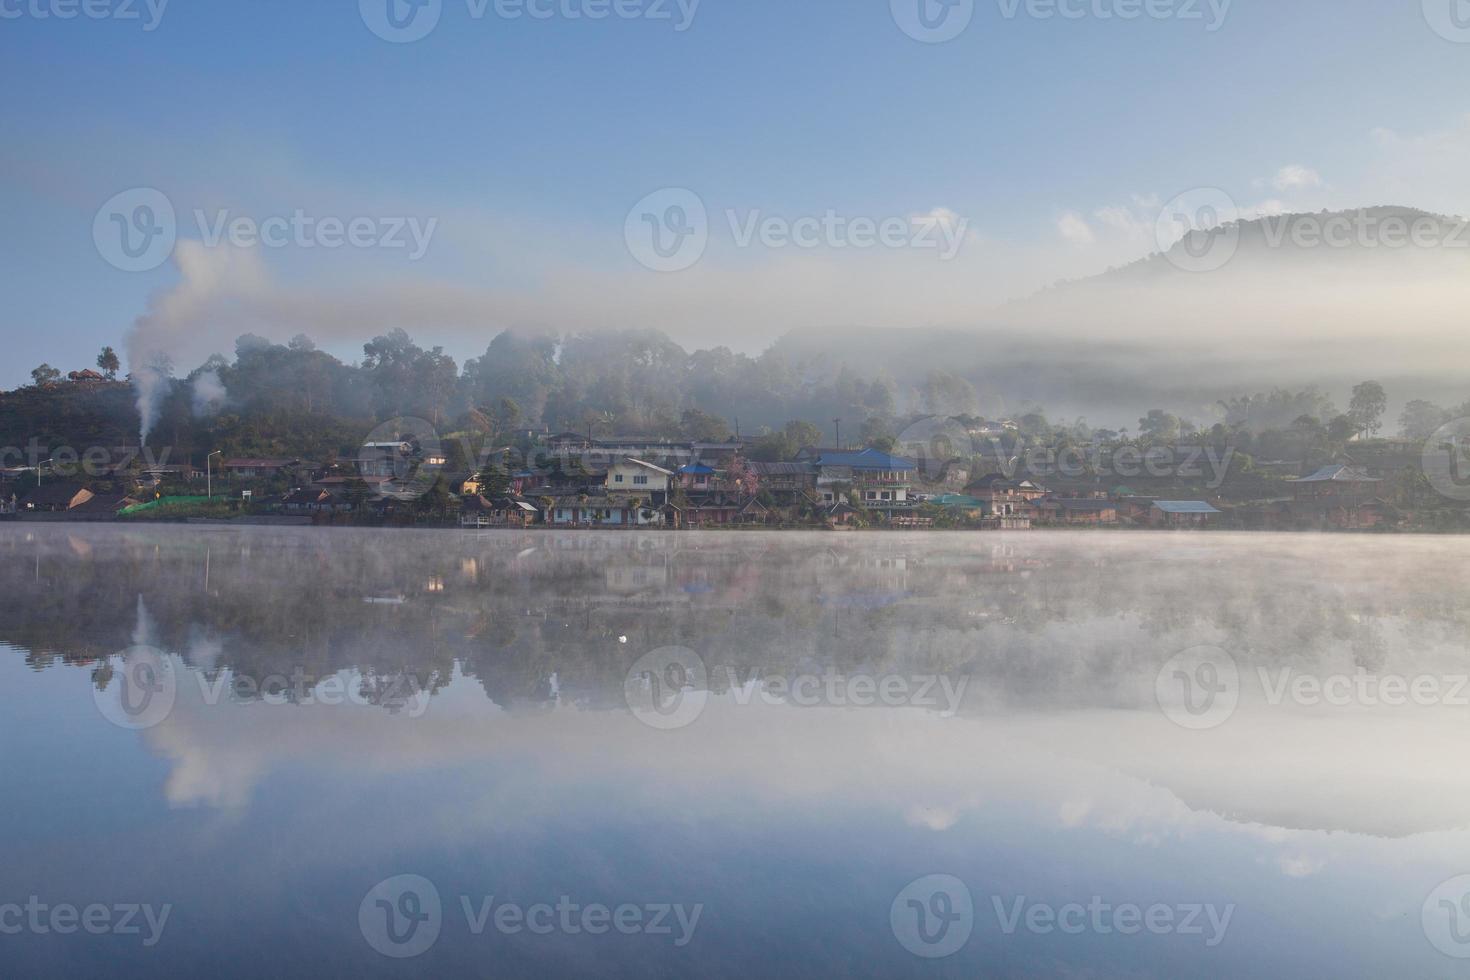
x: 351, y: 706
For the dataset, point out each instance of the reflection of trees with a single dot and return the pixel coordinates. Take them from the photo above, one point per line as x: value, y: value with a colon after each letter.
x: 535, y: 617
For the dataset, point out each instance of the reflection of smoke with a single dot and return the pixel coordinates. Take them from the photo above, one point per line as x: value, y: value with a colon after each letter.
x: 143, y: 626
x: 209, y: 393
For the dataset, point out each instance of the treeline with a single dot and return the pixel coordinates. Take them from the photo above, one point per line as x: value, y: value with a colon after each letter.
x: 274, y: 399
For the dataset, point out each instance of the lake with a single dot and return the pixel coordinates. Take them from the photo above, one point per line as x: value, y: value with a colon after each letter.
x: 343, y: 753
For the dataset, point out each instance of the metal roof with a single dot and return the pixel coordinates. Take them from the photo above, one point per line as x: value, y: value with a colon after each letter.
x: 1339, y: 473
x: 1185, y: 507
x: 868, y: 459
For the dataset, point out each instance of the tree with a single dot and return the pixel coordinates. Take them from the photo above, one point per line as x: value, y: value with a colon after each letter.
x: 877, y: 435
x: 493, y: 482
x: 1420, y: 419
x: 703, y: 427
x: 801, y: 434
x: 45, y: 375
x: 108, y: 363
x: 1367, y: 407
x: 1159, y: 426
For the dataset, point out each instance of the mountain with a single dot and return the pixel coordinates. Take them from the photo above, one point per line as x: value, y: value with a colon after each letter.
x: 1326, y: 299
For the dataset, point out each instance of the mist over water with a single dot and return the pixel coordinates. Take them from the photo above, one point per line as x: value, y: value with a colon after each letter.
x: 486, y: 739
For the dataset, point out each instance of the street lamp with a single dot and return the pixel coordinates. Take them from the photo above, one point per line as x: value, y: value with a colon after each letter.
x: 38, y: 470
x: 208, y: 475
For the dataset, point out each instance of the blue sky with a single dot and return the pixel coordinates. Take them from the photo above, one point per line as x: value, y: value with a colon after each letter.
x: 526, y: 142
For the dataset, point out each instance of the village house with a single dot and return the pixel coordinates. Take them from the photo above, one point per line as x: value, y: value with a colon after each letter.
x: 1182, y: 513
x: 257, y: 468
x: 1005, y: 497
x: 56, y: 497
x: 1060, y: 510
x: 882, y: 482
x: 477, y: 511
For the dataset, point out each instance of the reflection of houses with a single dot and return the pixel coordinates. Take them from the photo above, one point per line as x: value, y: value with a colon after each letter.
x: 1182, y: 513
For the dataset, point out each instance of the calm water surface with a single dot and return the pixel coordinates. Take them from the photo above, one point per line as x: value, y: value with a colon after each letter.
x: 342, y: 753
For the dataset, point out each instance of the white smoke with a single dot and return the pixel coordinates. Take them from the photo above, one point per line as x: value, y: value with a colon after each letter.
x: 177, y: 327
x: 209, y: 393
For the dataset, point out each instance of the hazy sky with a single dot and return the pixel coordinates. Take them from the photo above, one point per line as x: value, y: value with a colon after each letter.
x: 1034, y: 147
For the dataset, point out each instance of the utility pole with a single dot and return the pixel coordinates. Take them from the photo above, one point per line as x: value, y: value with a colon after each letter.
x: 838, y: 424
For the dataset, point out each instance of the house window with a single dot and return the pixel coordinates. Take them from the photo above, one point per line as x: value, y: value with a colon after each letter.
x: 887, y: 495
x: 640, y: 481
x: 618, y: 478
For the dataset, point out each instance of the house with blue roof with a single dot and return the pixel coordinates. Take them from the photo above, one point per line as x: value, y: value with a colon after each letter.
x: 882, y: 481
